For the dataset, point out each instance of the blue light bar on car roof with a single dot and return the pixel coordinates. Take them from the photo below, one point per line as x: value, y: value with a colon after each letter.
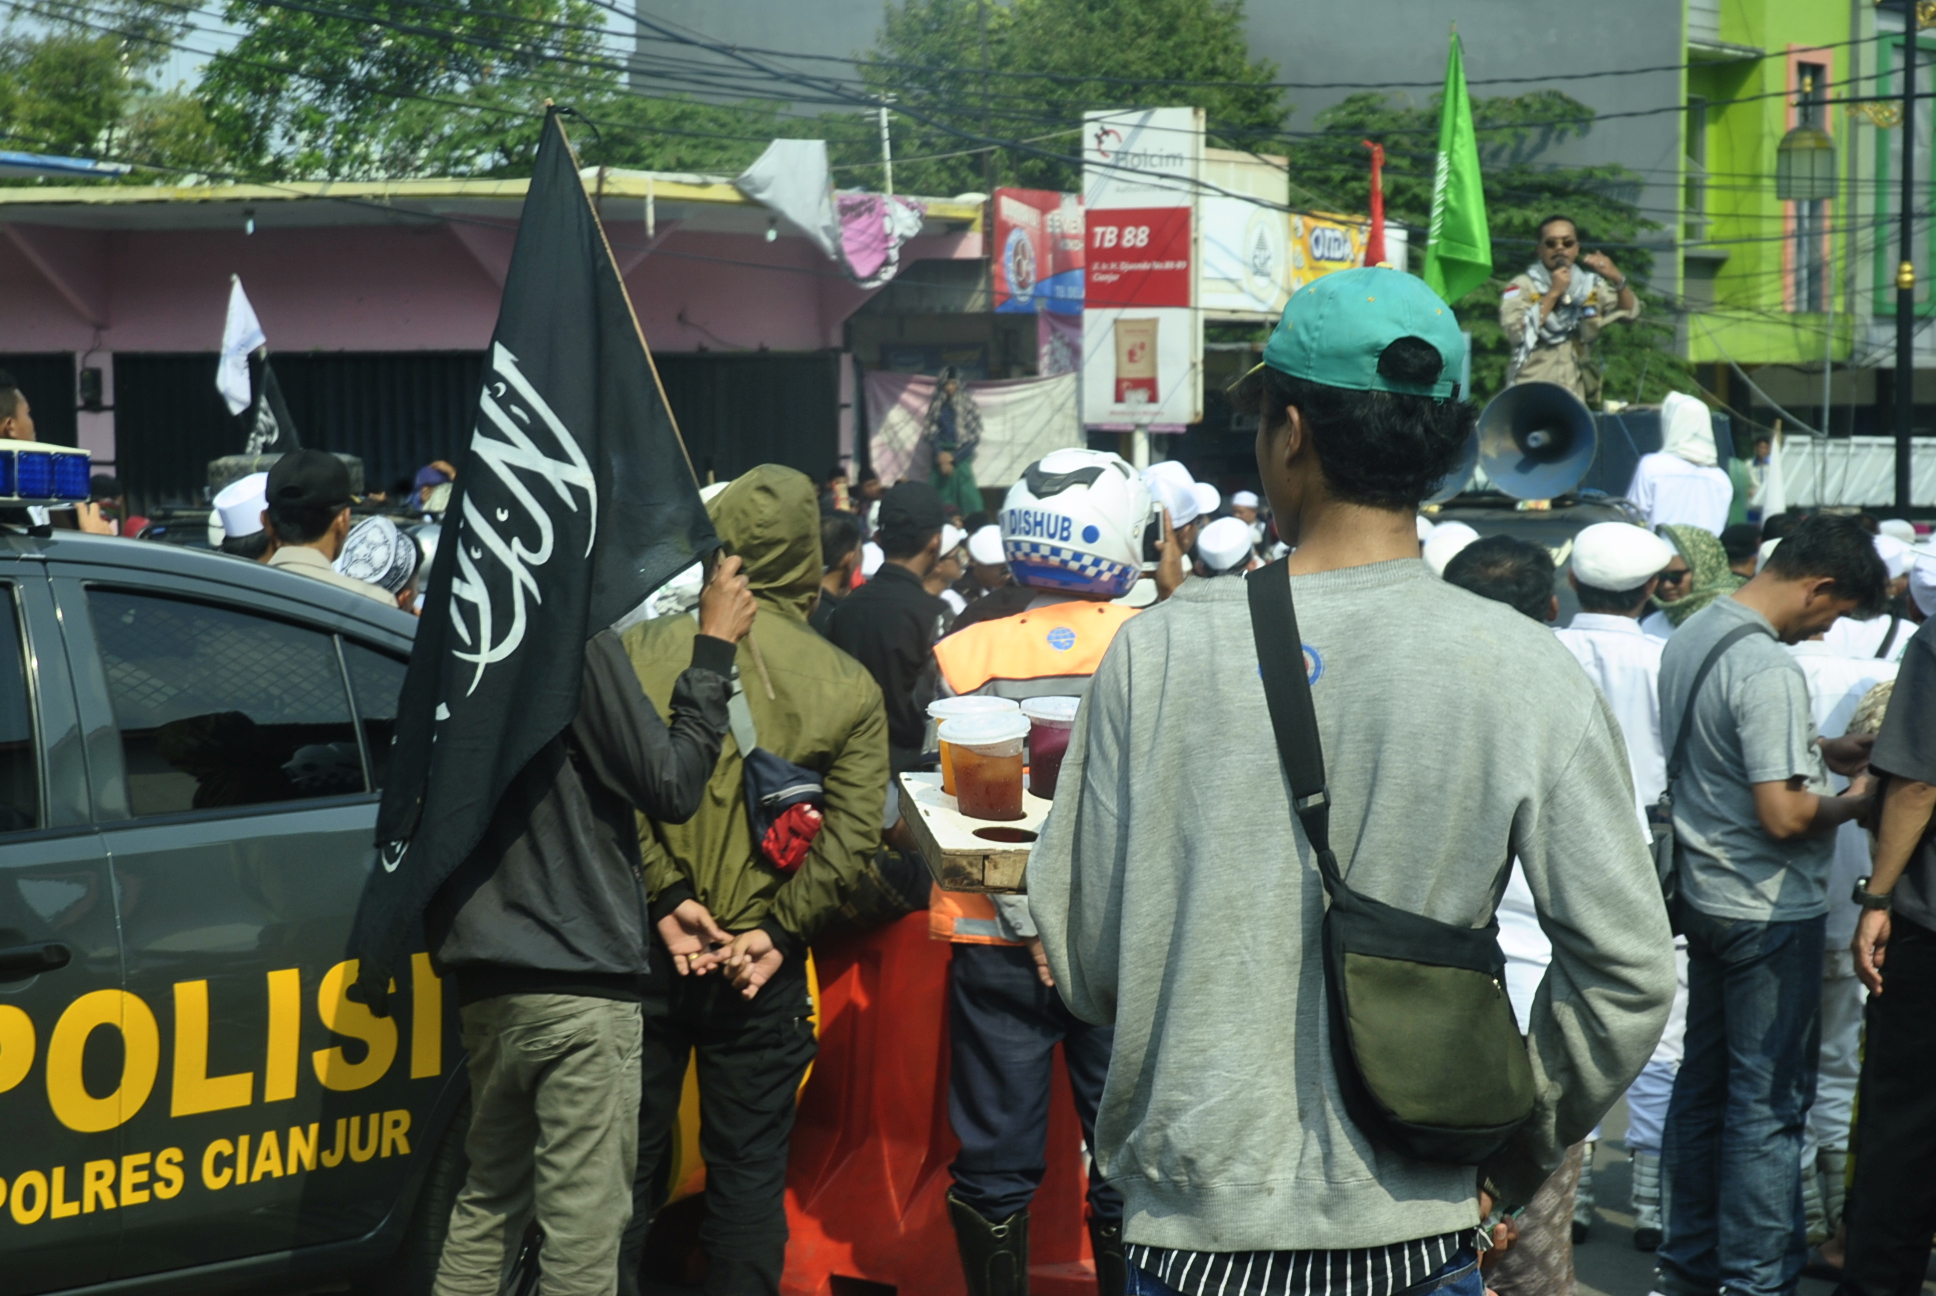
x: 32, y: 472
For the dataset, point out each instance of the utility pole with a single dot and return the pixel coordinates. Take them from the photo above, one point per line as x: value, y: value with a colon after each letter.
x: 887, y: 150
x: 1906, y: 270
x: 987, y: 128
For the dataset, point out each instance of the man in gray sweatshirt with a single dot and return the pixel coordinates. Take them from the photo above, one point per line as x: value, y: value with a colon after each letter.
x: 1178, y: 898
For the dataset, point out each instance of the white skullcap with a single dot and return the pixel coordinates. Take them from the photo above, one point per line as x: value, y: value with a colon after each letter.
x: 1225, y: 545
x: 1615, y: 556
x: 1208, y: 500
x: 240, y: 504
x: 1448, y: 539
x: 1425, y: 528
x: 1244, y: 499
x: 1172, y: 487
x: 1767, y: 548
x: 871, y: 558
x: 376, y: 552
x: 952, y: 537
x: 1896, y: 556
x: 1922, y: 582
x: 985, y: 546
x: 1900, y: 528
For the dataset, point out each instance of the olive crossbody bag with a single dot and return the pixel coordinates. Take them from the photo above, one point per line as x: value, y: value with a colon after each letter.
x: 1429, y: 1059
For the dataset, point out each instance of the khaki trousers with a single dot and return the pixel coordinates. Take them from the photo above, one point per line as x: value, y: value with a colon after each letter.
x: 554, y: 1136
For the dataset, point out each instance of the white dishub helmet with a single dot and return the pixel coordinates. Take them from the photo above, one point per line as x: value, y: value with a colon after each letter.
x: 1075, y: 522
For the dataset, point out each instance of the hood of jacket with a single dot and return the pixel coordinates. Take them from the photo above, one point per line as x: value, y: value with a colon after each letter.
x: 1687, y: 430
x: 771, y: 518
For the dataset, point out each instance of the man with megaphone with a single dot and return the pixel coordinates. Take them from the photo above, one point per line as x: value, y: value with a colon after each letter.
x: 1555, y: 309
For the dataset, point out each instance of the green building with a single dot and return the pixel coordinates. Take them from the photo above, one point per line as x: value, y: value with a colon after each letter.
x: 1799, y: 295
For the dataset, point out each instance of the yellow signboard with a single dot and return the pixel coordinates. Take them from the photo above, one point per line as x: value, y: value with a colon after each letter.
x: 1324, y: 241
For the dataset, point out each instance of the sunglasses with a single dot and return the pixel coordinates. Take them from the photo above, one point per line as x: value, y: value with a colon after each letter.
x: 1672, y: 577
x: 1562, y: 243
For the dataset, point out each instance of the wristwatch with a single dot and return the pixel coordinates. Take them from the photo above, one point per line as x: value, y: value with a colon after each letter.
x: 1869, y: 899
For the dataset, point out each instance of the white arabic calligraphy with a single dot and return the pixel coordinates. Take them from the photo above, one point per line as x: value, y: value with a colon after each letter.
x: 264, y: 431
x: 499, y: 630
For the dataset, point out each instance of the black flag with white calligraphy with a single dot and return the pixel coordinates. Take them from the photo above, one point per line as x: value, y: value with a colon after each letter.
x: 574, y: 502
x: 271, y: 430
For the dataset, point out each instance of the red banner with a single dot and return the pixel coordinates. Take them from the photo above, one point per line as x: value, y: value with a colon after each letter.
x: 1038, y: 250
x: 1139, y: 256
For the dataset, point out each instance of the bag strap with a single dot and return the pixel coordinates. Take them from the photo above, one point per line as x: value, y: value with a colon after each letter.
x: 1727, y: 641
x: 739, y: 719
x: 1889, y: 640
x: 1287, y: 690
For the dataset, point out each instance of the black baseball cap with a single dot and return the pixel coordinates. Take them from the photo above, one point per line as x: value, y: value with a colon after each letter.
x: 308, y: 479
x: 911, y: 508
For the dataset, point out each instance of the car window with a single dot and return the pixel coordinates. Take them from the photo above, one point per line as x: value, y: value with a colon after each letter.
x: 19, y: 768
x: 221, y: 708
x: 375, y: 678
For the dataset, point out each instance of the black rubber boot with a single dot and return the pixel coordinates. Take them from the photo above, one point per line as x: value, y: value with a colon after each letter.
x: 994, y: 1256
x: 1112, y: 1269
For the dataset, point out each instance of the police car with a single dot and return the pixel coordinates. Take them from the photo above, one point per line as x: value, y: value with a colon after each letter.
x: 191, y: 752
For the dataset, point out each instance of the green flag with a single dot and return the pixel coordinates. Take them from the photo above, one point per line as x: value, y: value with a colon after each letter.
x: 1458, y: 255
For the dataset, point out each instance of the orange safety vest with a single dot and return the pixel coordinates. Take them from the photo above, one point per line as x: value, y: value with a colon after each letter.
x: 1061, y: 639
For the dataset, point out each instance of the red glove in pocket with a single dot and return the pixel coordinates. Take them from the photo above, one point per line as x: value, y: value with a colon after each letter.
x: 791, y: 837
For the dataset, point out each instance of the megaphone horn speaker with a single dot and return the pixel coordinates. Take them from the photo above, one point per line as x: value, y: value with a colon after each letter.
x: 1536, y: 440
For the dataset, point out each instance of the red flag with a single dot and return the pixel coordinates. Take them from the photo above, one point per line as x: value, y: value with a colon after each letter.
x: 1375, y: 241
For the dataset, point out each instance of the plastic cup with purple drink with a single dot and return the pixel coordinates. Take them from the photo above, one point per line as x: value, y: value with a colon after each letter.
x: 1051, y: 720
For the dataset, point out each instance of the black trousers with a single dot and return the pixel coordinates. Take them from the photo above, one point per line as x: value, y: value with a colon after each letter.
x: 752, y: 1056
x: 1892, y: 1203
x: 1004, y: 1025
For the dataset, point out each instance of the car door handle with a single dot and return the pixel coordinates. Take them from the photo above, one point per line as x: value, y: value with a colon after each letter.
x: 31, y: 960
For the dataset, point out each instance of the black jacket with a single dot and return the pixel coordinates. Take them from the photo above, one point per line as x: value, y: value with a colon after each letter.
x: 551, y: 900
x: 889, y: 625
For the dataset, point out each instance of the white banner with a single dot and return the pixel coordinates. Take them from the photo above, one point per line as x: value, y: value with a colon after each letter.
x: 1142, y: 332
x: 1022, y: 419
x: 1853, y: 472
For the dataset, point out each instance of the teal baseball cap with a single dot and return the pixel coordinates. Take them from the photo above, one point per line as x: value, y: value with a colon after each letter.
x: 1335, y: 328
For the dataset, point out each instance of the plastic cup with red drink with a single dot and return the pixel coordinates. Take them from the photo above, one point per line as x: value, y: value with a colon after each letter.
x: 1051, y: 720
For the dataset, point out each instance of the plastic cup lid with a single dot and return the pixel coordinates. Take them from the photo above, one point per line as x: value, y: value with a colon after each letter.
x: 948, y: 708
x: 1055, y: 710
x: 985, y: 730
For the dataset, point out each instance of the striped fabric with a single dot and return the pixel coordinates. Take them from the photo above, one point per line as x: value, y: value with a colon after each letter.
x: 1376, y: 1271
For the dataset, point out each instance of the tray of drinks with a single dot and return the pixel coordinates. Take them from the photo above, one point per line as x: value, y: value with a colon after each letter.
x: 966, y: 853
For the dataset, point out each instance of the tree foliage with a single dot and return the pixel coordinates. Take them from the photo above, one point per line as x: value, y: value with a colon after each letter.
x: 364, y: 89
x: 1046, y: 62
x: 80, y: 82
x: 1331, y: 168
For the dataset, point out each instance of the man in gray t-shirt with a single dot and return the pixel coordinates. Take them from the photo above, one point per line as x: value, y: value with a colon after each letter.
x: 1755, y: 828
x: 1752, y: 724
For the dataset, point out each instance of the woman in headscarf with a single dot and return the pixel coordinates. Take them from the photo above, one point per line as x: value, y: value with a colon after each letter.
x: 1706, y: 577
x: 952, y: 430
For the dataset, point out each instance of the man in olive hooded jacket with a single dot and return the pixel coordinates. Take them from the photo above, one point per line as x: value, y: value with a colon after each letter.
x: 737, y: 926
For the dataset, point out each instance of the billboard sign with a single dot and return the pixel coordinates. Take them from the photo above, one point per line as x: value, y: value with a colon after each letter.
x: 1139, y: 256
x: 1038, y: 251
x: 1322, y: 242
x: 1142, y: 333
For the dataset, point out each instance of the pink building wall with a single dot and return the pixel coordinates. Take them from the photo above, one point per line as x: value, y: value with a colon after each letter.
x: 400, y: 287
